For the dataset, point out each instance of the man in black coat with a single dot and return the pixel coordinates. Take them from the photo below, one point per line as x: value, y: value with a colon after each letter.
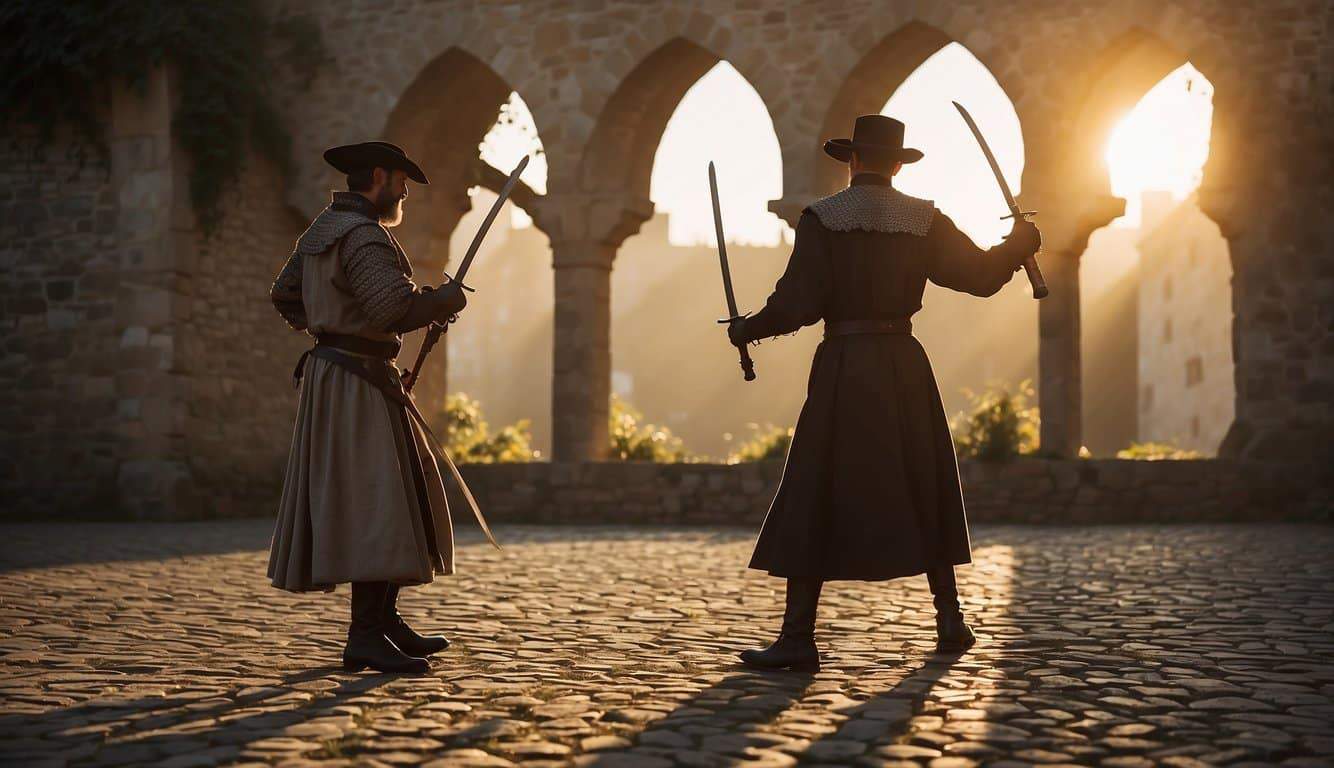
x: 871, y: 486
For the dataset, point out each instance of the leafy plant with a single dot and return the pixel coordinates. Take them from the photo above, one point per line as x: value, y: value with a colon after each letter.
x: 1152, y: 451
x: 768, y: 443
x: 998, y: 425
x: 634, y: 440
x: 469, y: 440
x: 62, y: 57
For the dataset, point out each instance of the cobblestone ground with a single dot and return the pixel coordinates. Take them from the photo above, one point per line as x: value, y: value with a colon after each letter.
x: 1117, y: 646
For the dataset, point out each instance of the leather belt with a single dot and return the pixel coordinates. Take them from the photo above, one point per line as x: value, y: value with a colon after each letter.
x: 360, y: 345
x: 897, y: 327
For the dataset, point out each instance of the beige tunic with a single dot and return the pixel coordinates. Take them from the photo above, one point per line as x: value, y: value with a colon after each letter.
x: 350, y: 508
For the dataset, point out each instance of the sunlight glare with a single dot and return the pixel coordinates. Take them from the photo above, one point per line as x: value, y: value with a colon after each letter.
x: 1163, y: 142
x: 514, y: 135
x: 721, y: 118
x: 954, y: 173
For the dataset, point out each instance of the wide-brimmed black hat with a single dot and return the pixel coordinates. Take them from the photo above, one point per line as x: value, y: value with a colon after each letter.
x: 351, y: 158
x: 875, y: 133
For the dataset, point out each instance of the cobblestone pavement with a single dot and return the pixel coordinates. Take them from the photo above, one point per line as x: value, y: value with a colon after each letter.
x: 1120, y: 646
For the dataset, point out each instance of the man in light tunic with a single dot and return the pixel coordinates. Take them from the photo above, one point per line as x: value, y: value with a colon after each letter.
x: 363, y: 500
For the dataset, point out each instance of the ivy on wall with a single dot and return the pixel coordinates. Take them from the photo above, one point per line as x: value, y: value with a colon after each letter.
x: 61, y: 57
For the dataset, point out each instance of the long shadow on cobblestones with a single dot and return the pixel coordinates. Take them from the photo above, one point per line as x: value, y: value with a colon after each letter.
x: 27, y: 545
x: 249, y: 724
x: 718, y: 725
x: 883, y: 718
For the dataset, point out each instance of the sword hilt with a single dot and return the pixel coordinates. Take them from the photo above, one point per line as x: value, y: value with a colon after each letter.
x: 747, y: 365
x: 1031, y: 267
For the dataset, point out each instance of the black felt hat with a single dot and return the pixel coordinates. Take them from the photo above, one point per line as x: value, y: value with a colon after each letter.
x: 875, y: 133
x: 351, y: 158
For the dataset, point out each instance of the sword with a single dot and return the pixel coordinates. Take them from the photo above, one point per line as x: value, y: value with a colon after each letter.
x: 1031, y: 263
x: 747, y: 367
x: 435, y: 330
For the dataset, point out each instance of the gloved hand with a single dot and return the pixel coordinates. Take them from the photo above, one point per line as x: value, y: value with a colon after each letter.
x: 736, y: 332
x: 452, y: 299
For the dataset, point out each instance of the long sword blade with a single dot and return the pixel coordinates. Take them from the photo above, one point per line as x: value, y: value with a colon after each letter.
x: 747, y: 365
x: 722, y: 243
x: 501, y: 197
x: 991, y: 159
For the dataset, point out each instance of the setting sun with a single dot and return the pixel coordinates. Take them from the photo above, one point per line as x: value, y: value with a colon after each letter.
x: 1163, y: 142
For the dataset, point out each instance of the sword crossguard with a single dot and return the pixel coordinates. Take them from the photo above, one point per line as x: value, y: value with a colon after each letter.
x: 1021, y: 214
x: 450, y: 279
x: 733, y: 319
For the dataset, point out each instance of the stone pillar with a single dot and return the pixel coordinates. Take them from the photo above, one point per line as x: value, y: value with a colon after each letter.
x: 154, y: 236
x: 581, y: 369
x: 585, y: 231
x: 1059, y: 390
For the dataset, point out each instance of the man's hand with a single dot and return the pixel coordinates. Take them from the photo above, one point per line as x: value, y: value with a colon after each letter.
x: 450, y: 299
x: 1024, y: 237
x: 736, y: 332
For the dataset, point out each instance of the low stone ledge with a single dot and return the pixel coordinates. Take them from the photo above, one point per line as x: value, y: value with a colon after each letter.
x: 1044, y: 491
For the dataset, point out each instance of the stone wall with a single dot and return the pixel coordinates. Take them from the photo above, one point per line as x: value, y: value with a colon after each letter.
x: 238, y: 354
x: 144, y: 373
x: 58, y: 404
x: 1024, y: 491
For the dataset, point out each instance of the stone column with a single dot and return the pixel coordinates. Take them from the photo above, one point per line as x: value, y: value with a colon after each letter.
x: 581, y: 369
x: 1059, y: 390
x: 154, y: 238
x: 585, y: 231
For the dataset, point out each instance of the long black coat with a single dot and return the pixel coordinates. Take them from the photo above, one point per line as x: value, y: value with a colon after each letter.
x: 871, y: 486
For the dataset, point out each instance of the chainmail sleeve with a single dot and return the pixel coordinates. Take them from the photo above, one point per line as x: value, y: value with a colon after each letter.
x: 286, y: 293
x: 376, y: 276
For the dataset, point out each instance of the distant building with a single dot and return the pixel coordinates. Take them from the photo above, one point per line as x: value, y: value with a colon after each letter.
x: 1186, y: 386
x: 1109, y: 339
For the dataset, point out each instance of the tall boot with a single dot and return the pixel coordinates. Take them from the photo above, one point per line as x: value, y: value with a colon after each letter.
x: 366, y: 644
x: 795, y: 647
x: 403, y: 636
x: 953, y: 635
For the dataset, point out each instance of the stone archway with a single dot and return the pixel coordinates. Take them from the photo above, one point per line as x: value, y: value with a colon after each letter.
x: 874, y: 79
x: 611, y: 203
x: 1129, y: 68
x: 441, y: 118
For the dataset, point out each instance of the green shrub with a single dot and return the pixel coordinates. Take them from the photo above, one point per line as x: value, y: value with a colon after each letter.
x: 469, y: 440
x: 998, y: 425
x: 768, y: 443
x: 1155, y: 451
x: 633, y: 440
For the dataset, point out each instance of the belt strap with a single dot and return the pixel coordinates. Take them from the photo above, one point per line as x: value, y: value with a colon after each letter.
x: 896, y: 327
x: 383, y: 376
x: 360, y: 345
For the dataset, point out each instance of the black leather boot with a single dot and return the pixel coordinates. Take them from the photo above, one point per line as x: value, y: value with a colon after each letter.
x: 367, y: 645
x: 403, y: 636
x: 953, y: 635
x: 795, y: 647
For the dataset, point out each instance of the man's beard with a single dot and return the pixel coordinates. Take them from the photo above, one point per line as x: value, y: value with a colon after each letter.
x: 390, y: 208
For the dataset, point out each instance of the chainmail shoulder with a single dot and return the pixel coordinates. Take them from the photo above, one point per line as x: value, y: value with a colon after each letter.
x: 874, y: 208
x: 374, y: 266
x: 327, y: 228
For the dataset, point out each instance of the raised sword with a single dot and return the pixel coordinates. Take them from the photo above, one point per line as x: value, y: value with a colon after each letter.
x: 435, y: 330
x: 1031, y: 267
x: 747, y: 367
